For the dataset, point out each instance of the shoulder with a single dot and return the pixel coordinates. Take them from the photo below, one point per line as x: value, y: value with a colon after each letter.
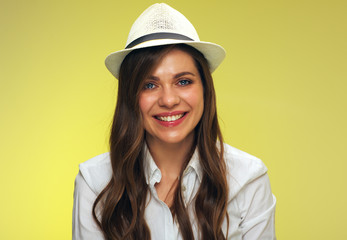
x: 242, y: 168
x: 97, y: 172
x: 251, y: 202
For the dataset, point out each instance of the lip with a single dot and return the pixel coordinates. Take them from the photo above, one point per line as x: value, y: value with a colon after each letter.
x: 171, y: 123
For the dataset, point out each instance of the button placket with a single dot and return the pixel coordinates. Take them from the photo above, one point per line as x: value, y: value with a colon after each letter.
x: 184, y: 188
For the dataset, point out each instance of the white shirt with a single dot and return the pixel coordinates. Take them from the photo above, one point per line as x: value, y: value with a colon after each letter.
x: 251, y: 205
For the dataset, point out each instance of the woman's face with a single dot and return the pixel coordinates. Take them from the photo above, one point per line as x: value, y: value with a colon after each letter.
x: 171, y: 100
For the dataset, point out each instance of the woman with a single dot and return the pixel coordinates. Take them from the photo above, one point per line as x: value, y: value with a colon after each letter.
x: 168, y: 174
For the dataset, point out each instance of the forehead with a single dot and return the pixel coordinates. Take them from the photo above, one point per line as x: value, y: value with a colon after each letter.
x: 175, y: 61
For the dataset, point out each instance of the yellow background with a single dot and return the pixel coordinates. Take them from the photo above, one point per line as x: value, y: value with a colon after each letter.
x: 281, y: 97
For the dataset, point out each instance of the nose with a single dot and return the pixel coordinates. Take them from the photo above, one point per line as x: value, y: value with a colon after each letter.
x: 169, y: 98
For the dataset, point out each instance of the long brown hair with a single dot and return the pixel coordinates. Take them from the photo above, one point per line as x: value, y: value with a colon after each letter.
x: 123, y: 201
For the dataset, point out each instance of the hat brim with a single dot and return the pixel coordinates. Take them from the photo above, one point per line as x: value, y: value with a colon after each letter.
x: 213, y: 53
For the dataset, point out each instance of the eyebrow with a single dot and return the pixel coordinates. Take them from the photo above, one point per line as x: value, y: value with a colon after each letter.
x: 183, y: 73
x: 176, y: 76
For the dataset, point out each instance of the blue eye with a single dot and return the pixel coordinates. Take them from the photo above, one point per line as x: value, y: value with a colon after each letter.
x: 149, y: 86
x: 184, y: 82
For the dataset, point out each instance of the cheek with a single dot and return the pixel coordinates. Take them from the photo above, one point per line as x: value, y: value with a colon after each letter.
x: 146, y: 102
x: 200, y: 103
x: 200, y: 107
x: 196, y: 100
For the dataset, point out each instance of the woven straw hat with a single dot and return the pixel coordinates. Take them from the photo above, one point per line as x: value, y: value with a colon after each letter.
x: 159, y: 25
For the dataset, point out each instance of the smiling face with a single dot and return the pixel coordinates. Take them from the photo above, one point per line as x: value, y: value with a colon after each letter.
x: 171, y: 100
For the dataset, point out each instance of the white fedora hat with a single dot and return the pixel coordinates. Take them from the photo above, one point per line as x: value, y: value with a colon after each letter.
x: 159, y: 25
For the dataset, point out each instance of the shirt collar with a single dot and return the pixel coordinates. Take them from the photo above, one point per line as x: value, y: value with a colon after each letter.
x: 194, y: 165
x: 153, y: 174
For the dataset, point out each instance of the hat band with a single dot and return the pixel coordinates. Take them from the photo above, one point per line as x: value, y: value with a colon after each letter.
x: 156, y: 36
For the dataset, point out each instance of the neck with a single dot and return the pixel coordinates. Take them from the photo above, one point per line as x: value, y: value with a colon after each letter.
x: 170, y: 157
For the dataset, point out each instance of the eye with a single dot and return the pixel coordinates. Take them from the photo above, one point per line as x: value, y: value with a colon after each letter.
x: 149, y: 86
x: 184, y: 82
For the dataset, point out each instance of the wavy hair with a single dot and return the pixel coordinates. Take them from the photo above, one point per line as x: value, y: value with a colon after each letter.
x: 123, y: 202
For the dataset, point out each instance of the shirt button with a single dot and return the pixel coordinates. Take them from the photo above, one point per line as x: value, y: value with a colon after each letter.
x: 183, y: 188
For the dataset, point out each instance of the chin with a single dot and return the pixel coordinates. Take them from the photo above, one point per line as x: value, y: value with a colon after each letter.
x: 172, y: 140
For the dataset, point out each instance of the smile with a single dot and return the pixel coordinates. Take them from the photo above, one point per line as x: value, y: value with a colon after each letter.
x: 170, y: 118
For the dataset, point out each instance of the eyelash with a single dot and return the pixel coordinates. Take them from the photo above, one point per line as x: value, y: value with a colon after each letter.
x: 147, y: 85
x: 187, y: 82
x: 182, y: 82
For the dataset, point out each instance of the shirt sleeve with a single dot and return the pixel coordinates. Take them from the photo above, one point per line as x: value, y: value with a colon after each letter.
x: 257, y: 206
x: 83, y: 225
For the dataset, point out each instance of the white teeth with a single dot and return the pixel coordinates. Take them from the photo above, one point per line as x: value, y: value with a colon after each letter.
x: 170, y: 118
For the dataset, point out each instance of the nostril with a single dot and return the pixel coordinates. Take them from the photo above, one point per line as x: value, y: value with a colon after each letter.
x: 169, y: 100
